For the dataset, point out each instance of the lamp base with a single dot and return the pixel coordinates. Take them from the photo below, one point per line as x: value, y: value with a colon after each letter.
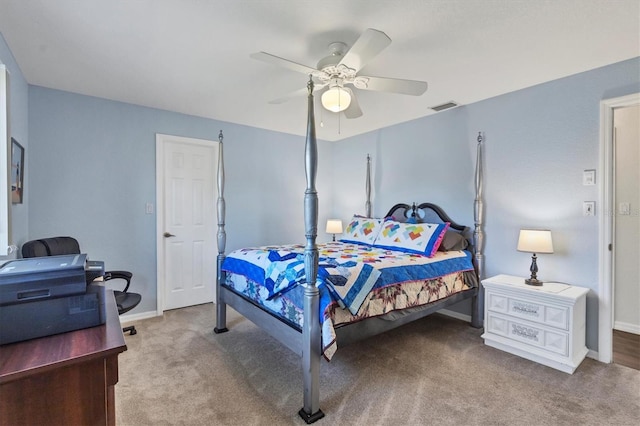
x: 533, y: 281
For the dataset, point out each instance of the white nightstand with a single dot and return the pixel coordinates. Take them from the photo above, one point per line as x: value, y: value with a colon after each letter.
x: 543, y: 324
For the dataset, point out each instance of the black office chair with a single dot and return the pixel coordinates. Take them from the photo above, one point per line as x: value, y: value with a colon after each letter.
x: 56, y: 246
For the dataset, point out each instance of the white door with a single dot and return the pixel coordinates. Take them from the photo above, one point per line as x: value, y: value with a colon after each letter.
x: 186, y: 221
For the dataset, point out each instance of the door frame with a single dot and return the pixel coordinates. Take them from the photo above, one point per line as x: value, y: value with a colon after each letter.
x: 161, y: 141
x: 606, y: 231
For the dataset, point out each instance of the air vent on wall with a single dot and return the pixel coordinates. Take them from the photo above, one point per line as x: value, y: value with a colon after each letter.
x: 444, y: 106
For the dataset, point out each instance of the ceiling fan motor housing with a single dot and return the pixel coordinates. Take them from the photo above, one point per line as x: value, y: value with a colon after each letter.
x: 336, y: 82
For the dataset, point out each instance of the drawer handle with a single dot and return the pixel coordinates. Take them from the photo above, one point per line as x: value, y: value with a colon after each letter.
x: 525, y: 308
x: 526, y: 332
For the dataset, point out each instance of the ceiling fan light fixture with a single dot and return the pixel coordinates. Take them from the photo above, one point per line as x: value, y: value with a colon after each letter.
x: 336, y: 99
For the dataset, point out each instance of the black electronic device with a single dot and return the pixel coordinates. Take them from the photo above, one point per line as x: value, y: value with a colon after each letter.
x: 36, y: 278
x: 41, y: 296
x: 45, y: 317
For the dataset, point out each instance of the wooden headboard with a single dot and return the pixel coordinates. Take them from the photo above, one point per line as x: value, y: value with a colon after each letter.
x: 425, y: 212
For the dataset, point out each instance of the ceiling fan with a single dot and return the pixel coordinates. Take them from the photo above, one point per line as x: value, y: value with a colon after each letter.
x: 339, y: 70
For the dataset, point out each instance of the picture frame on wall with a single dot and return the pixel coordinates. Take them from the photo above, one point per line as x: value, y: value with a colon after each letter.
x: 17, y: 172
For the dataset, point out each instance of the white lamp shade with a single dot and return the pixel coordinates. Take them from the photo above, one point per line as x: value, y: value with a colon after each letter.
x: 535, y: 241
x: 336, y: 99
x: 334, y: 226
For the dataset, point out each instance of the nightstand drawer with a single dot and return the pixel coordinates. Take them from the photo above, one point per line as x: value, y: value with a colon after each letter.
x: 524, y: 332
x: 530, y: 310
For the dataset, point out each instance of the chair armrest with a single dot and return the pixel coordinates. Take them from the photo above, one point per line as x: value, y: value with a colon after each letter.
x: 123, y: 275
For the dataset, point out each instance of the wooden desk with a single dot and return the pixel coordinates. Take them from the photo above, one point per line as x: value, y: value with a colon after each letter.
x: 65, y: 379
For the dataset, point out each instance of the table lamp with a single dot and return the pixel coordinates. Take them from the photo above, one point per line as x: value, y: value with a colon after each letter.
x: 334, y: 226
x: 535, y: 241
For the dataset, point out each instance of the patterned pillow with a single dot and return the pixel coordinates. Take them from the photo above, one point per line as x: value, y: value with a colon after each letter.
x: 362, y: 230
x: 420, y: 238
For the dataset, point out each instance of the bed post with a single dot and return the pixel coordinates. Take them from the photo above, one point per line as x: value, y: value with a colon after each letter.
x: 311, y: 343
x: 477, y: 312
x: 221, y: 307
x: 367, y: 204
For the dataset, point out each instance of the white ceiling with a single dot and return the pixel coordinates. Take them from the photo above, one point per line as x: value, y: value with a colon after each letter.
x: 192, y: 56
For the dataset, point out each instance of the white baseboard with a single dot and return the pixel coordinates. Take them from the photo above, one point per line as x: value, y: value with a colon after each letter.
x: 593, y: 354
x: 137, y: 317
x: 626, y: 327
x: 454, y: 314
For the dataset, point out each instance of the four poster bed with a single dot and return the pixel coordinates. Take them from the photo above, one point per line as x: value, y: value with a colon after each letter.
x: 371, y: 281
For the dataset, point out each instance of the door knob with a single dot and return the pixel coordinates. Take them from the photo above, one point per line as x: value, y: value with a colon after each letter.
x: 167, y: 235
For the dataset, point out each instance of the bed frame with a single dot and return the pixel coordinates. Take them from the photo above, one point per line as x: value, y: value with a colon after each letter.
x: 307, y: 342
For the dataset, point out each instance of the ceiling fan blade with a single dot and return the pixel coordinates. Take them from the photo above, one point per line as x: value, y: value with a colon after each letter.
x: 276, y: 60
x: 353, y: 111
x: 370, y: 43
x: 288, y: 96
x: 296, y: 93
x: 392, y: 85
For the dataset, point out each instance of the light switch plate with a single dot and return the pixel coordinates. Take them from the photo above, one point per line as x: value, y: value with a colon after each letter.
x: 589, y: 177
x: 589, y: 208
x: 624, y: 209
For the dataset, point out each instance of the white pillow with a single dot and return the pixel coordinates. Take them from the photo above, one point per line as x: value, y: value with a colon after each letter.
x: 420, y: 238
x: 362, y: 230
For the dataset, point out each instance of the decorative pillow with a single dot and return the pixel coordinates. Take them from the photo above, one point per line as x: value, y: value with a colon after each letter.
x: 453, y: 241
x: 362, y: 230
x: 420, y: 238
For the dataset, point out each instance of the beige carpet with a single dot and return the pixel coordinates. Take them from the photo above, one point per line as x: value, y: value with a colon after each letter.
x: 435, y: 371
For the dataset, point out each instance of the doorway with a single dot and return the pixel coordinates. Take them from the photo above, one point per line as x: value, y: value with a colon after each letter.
x: 619, y: 257
x: 626, y: 252
x: 185, y: 221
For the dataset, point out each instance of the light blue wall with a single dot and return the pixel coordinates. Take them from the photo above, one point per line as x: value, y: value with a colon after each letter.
x: 93, y: 169
x: 538, y: 142
x: 18, y: 127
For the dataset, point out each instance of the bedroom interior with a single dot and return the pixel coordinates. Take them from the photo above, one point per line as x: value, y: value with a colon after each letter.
x: 540, y: 140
